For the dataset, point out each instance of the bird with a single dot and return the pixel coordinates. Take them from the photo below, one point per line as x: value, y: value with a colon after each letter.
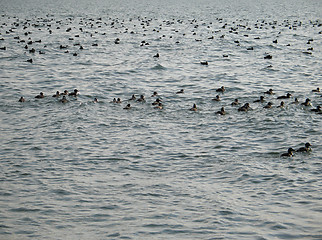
x: 180, y: 91
x: 244, y: 108
x: 222, y: 111
x: 305, y: 149
x: 64, y: 100
x: 289, y: 153
x: 281, y: 105
x: 217, y: 98
x: 235, y: 102
x: 307, y: 102
x: 288, y: 95
x: 127, y: 106
x: 261, y: 100
x: 41, y: 95
x: 270, y: 92
x: 57, y: 94
x: 317, y: 109
x: 316, y: 90
x: 75, y: 93
x: 221, y: 89
x: 269, y: 105
x: 194, y: 107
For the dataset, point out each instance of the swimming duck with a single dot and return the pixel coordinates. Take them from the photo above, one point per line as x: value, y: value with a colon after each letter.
x: 41, y: 95
x: 305, y: 149
x: 316, y: 90
x: 57, y: 94
x: 289, y: 153
x: 95, y: 100
x: 235, y: 102
x: 222, y: 111
x: 281, y: 105
x: 75, y: 93
x: 64, y: 100
x: 159, y: 106
x: 118, y: 100
x: 22, y: 99
x: 141, y: 99
x: 65, y: 92
x: 317, y: 109
x: 127, y: 106
x: 244, y: 108
x: 221, y: 89
x: 132, y: 98
x: 296, y: 101
x: 194, y: 108
x: 217, y: 98
x: 261, y: 100
x: 179, y: 92
x: 307, y: 102
x: 288, y: 95
x: 270, y: 92
x: 157, y: 101
x: 269, y: 105
x: 154, y: 94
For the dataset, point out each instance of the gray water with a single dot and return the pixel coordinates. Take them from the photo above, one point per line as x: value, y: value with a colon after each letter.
x: 85, y: 170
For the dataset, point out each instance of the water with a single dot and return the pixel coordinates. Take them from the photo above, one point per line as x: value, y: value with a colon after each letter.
x: 85, y: 170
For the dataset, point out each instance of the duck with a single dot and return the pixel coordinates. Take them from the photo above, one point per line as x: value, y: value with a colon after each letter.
x: 306, y: 148
x: 180, y: 91
x: 317, y: 90
x: 289, y: 153
x: 64, y: 100
x: 157, y: 101
x: 132, y: 98
x: 194, y: 108
x: 269, y: 105
x: 65, y: 92
x: 159, y: 106
x: 307, y: 102
x: 235, y: 102
x: 127, y: 106
x: 261, y: 100
x: 222, y: 111
x: 270, y: 92
x: 41, y: 95
x: 317, y: 109
x: 118, y: 100
x: 221, y: 89
x: 281, y: 105
x: 22, y: 99
x: 244, y: 108
x: 75, y: 93
x: 141, y: 99
x: 57, y: 94
x: 95, y: 100
x: 296, y: 101
x: 288, y: 95
x: 154, y: 94
x: 217, y: 98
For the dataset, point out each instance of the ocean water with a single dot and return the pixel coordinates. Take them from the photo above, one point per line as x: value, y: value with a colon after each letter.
x: 86, y: 170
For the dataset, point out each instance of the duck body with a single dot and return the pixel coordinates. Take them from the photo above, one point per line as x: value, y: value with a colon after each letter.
x: 41, y: 95
x: 306, y: 148
x: 289, y: 153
